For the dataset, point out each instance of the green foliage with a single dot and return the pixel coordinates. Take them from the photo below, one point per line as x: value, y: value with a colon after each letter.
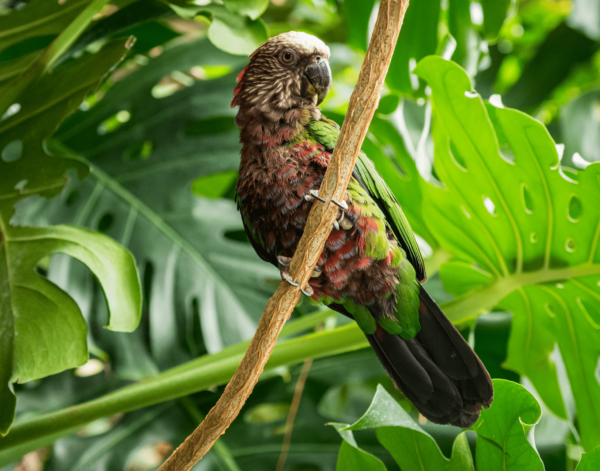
x: 508, y: 225
x: 507, y: 209
x: 504, y: 436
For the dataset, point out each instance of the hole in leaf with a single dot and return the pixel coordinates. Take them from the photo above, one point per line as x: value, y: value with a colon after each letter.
x: 72, y: 197
x: 114, y: 122
x: 209, y: 72
x: 91, y: 368
x: 471, y: 94
x: 20, y: 185
x: 560, y: 285
x: 458, y: 159
x: 526, y: 199
x: 138, y: 151
x: 43, y: 265
x: 507, y: 154
x: 171, y: 84
x: 490, y: 206
x: 12, y: 110
x: 105, y: 222
x: 12, y: 151
x: 570, y: 245
x: 549, y: 311
x: 533, y: 237
x: 575, y: 209
x: 238, y: 236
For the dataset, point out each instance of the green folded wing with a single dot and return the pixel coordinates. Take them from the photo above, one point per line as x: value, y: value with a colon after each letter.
x: 326, y: 132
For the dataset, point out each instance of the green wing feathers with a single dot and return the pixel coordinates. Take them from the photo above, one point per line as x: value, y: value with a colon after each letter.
x: 326, y: 133
x: 372, y: 199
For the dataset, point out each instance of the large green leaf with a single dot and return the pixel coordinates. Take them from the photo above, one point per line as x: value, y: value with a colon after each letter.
x: 28, y: 350
x: 507, y: 208
x: 409, y: 444
x: 251, y: 8
x: 196, y: 275
x: 504, y: 435
x: 590, y: 461
x: 505, y: 431
x: 351, y: 457
x: 230, y: 30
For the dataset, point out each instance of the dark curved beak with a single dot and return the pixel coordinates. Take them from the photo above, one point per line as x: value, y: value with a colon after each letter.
x: 317, y: 80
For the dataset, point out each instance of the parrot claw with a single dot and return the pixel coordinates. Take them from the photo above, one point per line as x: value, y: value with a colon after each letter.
x: 341, y: 204
x: 284, y: 261
x: 336, y: 225
x: 313, y: 195
x: 285, y: 276
x: 284, y: 270
x: 307, y: 291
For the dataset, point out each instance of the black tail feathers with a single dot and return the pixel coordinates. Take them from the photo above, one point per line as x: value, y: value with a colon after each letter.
x: 437, y: 370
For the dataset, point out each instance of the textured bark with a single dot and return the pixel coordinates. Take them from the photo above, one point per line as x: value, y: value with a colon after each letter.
x: 363, y: 103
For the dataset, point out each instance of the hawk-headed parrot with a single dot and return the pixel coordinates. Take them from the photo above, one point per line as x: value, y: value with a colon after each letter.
x: 371, y: 268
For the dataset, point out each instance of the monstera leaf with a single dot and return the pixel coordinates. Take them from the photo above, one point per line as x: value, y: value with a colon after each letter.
x: 205, y: 289
x: 504, y: 436
x: 41, y: 327
x: 524, y: 233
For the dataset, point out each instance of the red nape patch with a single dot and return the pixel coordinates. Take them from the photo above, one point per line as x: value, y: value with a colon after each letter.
x: 237, y: 89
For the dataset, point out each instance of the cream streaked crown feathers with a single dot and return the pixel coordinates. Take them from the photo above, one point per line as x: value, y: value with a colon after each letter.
x: 303, y: 43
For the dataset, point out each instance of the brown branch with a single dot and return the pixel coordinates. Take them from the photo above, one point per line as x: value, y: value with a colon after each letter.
x: 363, y: 103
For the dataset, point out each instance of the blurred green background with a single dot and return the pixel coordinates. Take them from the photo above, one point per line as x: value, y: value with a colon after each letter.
x: 159, y: 137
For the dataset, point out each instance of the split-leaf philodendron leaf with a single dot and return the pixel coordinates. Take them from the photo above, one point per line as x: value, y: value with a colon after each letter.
x: 523, y: 231
x: 504, y: 436
x: 197, y: 277
x: 41, y: 327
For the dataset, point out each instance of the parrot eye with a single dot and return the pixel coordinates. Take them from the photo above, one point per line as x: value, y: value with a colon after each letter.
x: 287, y: 56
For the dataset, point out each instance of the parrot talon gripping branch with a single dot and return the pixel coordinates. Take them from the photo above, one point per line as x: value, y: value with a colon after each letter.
x: 371, y: 267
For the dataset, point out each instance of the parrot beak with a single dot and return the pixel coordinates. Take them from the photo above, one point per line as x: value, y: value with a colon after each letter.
x: 317, y: 80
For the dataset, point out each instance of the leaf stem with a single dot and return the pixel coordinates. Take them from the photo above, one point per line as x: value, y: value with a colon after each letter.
x: 216, y: 369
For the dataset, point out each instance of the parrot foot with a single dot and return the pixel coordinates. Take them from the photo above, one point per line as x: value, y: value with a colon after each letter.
x: 307, y: 291
x: 344, y: 223
x: 312, y: 196
x: 284, y: 270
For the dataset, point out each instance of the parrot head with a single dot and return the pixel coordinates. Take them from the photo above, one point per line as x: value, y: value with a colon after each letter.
x: 290, y: 70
